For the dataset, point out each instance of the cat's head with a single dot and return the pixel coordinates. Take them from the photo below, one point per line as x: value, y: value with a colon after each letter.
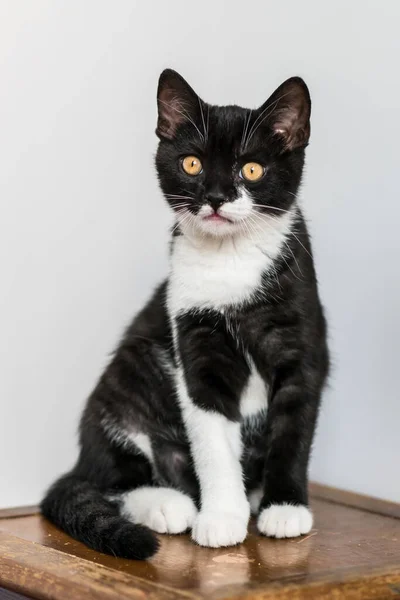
x: 223, y: 169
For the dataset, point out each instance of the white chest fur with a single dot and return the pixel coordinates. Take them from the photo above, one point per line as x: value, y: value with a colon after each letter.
x: 212, y: 273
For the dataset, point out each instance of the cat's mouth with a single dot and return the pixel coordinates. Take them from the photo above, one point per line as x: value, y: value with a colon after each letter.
x: 216, y: 218
x: 214, y: 222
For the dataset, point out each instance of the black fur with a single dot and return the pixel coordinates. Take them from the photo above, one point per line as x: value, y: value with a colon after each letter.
x: 282, y: 329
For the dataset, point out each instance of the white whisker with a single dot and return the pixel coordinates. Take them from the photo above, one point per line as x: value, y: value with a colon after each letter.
x: 264, y: 219
x: 184, y: 114
x: 180, y: 198
x: 202, y: 118
x: 294, y: 235
x: 255, y: 126
x: 271, y: 207
x: 245, y: 128
x: 179, y: 206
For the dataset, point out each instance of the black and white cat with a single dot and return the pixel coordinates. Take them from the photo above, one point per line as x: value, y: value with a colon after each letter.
x: 208, y: 407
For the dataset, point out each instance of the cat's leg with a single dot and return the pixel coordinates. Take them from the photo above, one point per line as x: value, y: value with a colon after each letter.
x: 162, y: 509
x: 210, y: 380
x: 133, y: 400
x: 297, y: 375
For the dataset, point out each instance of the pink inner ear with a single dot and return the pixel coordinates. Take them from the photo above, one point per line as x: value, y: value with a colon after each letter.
x: 291, y: 113
x: 171, y: 111
x: 291, y: 126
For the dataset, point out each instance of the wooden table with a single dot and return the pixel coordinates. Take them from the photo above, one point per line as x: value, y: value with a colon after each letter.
x: 353, y: 552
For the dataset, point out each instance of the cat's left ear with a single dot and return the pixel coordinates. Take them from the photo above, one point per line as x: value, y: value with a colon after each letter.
x: 288, y: 113
x: 177, y: 102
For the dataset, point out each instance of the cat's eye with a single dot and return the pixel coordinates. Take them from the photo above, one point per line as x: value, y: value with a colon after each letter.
x: 252, y: 171
x: 192, y: 165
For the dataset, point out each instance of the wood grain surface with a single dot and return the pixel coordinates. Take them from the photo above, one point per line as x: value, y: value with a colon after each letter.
x: 350, y: 553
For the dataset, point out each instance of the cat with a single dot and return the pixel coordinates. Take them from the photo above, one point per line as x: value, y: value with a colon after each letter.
x: 207, y: 410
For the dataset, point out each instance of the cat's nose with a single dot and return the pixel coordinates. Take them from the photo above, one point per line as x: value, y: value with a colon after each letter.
x: 215, y: 200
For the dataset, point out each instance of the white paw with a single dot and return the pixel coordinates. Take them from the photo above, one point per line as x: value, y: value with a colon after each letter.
x: 216, y: 529
x: 162, y: 509
x: 285, y: 520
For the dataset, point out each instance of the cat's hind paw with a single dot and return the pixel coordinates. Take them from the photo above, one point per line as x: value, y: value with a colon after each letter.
x: 164, y: 510
x: 285, y: 520
x: 216, y: 529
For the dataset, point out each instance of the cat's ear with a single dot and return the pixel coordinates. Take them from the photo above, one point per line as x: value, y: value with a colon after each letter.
x: 177, y: 103
x: 288, y: 113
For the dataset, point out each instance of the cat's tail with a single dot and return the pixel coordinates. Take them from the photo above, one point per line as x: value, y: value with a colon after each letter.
x: 81, y: 510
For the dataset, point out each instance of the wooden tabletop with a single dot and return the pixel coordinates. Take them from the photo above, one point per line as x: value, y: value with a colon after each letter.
x: 351, y: 553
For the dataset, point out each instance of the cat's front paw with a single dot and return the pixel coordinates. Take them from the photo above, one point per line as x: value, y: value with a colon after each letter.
x: 285, y: 520
x: 216, y: 529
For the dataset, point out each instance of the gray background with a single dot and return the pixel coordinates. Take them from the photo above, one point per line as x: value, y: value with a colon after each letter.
x: 83, y: 228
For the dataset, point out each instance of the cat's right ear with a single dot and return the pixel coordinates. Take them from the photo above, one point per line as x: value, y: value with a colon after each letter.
x: 177, y: 102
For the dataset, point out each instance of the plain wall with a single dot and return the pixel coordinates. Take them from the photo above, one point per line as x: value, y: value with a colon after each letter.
x: 83, y: 228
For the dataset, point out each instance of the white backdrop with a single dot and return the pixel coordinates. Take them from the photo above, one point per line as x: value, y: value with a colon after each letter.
x: 83, y: 229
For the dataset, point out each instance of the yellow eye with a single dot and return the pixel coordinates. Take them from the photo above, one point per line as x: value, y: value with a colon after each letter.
x: 252, y: 171
x: 192, y: 165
